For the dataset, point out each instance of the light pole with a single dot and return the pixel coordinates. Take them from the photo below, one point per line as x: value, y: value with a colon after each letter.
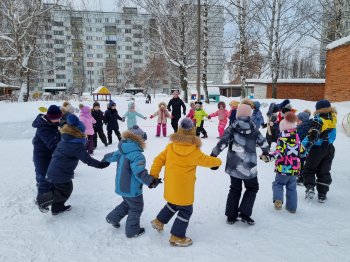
x: 199, y: 50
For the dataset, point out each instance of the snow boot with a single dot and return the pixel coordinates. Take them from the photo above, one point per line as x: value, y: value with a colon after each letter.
x: 231, y: 221
x: 310, y: 193
x: 278, y: 204
x: 291, y: 211
x: 180, y: 241
x: 322, y: 198
x: 65, y: 209
x: 205, y: 136
x: 246, y: 219
x: 140, y: 233
x: 44, y: 201
x: 116, y: 225
x: 157, y: 225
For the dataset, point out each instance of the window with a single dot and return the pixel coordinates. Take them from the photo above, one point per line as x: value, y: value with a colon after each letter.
x: 99, y: 29
x: 127, y: 22
x: 128, y: 56
x: 67, y: 37
x: 90, y: 72
x: 47, y: 27
x: 117, y: 21
x: 137, y: 43
x: 137, y: 35
x: 99, y: 38
x: 55, y: 32
x: 128, y: 65
x: 60, y: 84
x: 127, y: 31
x: 61, y: 68
x: 99, y: 64
x: 49, y: 45
x: 119, y: 48
x: 60, y: 76
x: 91, y: 81
x: 59, y: 42
x: 90, y: 55
x: 59, y: 50
x: 90, y: 64
x: 129, y: 48
x: 89, y: 29
x: 138, y: 61
x: 119, y: 30
x: 119, y: 56
x: 127, y: 39
x: 89, y: 46
x: 138, y: 52
x: 98, y: 20
x: 48, y: 36
x: 99, y: 55
x: 56, y: 23
x: 51, y: 80
x: 89, y: 37
x: 137, y: 27
x: 106, y: 20
x: 69, y: 63
x: 120, y: 65
x: 60, y: 59
x: 99, y: 46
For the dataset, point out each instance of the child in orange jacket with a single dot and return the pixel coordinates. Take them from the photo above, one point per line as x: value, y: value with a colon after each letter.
x: 180, y: 158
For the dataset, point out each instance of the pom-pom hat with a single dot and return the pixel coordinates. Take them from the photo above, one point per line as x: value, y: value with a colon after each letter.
x: 289, y: 122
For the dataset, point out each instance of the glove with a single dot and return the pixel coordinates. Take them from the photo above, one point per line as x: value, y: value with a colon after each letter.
x: 104, y: 165
x: 184, y: 113
x: 145, y: 118
x: 155, y: 183
x: 265, y: 158
x: 209, y: 117
x: 123, y: 119
x: 214, y: 168
x: 264, y: 125
x: 151, y: 116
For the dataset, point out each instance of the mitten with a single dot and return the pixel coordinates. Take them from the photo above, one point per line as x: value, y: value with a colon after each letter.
x: 209, y: 117
x: 184, y: 113
x: 155, y: 183
x: 123, y: 119
x: 104, y: 165
x: 151, y: 116
x: 264, y: 125
x: 214, y: 168
x: 265, y: 158
x: 145, y: 118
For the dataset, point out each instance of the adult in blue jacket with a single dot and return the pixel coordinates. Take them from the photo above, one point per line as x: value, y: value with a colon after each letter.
x: 65, y: 159
x: 131, y: 175
x: 44, y: 142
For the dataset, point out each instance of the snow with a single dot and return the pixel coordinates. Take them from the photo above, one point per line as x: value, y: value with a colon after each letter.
x: 339, y: 42
x: 317, y: 232
x: 292, y: 81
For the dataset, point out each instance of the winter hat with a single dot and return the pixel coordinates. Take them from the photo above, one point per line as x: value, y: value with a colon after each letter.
x: 323, y: 104
x: 73, y: 120
x: 54, y: 113
x: 187, y: 127
x: 85, y: 110
x: 285, y: 104
x: 303, y: 116
x: 136, y: 130
x: 244, y: 110
x: 289, y: 122
x: 221, y: 104
x: 96, y: 104
x: 111, y: 103
x: 234, y: 103
x: 257, y: 105
x: 198, y: 103
x: 248, y: 102
x: 65, y: 103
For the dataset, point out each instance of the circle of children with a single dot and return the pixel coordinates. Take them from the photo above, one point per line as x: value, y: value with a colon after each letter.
x: 303, y: 154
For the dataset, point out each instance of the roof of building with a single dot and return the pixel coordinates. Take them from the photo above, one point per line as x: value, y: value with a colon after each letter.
x: 54, y: 88
x: 3, y: 85
x: 339, y: 42
x: 101, y: 90
x: 288, y: 81
x: 212, y: 90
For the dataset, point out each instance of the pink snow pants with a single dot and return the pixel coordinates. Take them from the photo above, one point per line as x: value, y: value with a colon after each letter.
x: 163, y: 127
x: 221, y: 128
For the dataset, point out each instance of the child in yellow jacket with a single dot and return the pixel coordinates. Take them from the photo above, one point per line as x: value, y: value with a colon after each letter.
x: 180, y: 158
x: 199, y: 116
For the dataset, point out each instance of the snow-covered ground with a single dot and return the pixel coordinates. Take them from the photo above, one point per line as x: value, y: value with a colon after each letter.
x: 317, y: 232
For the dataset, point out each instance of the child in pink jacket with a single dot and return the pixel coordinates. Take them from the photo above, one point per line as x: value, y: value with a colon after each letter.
x: 162, y: 114
x: 88, y: 121
x: 223, y: 115
x: 191, y: 113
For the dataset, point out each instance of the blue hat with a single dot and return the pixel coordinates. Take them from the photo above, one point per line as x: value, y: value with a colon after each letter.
x: 136, y: 130
x: 285, y: 104
x: 54, y: 112
x: 111, y: 103
x: 323, y: 104
x: 303, y: 116
x: 186, y: 124
x: 73, y: 120
x: 256, y: 105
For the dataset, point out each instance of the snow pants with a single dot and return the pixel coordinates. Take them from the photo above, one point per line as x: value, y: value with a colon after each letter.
x: 181, y: 222
x: 175, y: 123
x: 41, y: 164
x: 101, y: 135
x: 200, y: 129
x: 161, y: 127
x: 234, y: 196
x: 90, y: 144
x: 319, y: 163
x: 221, y: 128
x: 132, y: 207
x: 290, y: 182
x: 109, y: 134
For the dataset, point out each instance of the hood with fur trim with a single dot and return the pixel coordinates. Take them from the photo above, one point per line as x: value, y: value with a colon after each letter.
x: 185, y: 142
x: 162, y: 104
x: 73, y: 131
x: 128, y: 135
x: 326, y: 111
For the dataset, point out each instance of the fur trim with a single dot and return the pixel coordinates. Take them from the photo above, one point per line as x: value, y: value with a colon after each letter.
x: 326, y: 110
x: 66, y: 103
x: 307, y: 111
x: 248, y: 102
x: 73, y: 131
x: 162, y: 104
x: 185, y: 137
x: 130, y: 135
x: 290, y: 117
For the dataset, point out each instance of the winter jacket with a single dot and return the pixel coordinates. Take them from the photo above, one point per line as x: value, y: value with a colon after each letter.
x: 99, y: 117
x: 304, y: 128
x: 131, y: 168
x: 131, y: 115
x: 199, y: 116
x: 162, y: 114
x: 111, y: 119
x: 232, y: 116
x: 191, y: 115
x: 273, y: 129
x: 287, y: 153
x: 44, y: 142
x: 241, y: 138
x: 88, y: 120
x: 323, y: 128
x: 175, y: 105
x: 257, y: 118
x: 67, y: 155
x: 223, y: 115
x: 181, y: 158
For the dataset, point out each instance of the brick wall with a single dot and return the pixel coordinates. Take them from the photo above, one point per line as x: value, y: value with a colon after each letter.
x: 338, y: 74
x: 309, y: 92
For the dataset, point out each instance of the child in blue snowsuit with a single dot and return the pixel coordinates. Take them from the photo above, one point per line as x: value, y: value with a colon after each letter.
x: 257, y: 116
x: 131, y: 115
x: 131, y: 175
x: 44, y: 142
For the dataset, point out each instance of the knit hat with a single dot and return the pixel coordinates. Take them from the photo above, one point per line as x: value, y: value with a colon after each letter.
x: 96, y: 104
x: 136, y: 130
x: 234, y: 103
x: 257, y: 105
x: 54, y: 113
x: 244, y: 110
x: 111, y: 103
x: 289, y: 122
x: 187, y: 127
x: 73, y: 120
x: 323, y: 104
x: 303, y: 116
x: 285, y: 104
